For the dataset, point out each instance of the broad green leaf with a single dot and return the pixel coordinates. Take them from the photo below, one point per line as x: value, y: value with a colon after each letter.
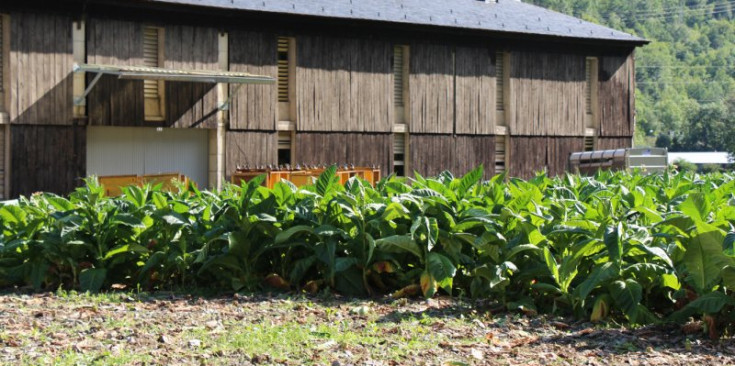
x: 552, y: 265
x: 127, y: 220
x: 613, y: 242
x: 326, y: 181
x: 710, y: 303
x: 470, y: 179
x: 597, y: 278
x: 285, y: 236
x: 13, y: 214
x: 704, y: 260
x: 238, y: 244
x: 728, y: 277
x: 127, y: 248
x: 522, y: 248
x: 60, y: 203
x: 627, y: 295
x: 696, y: 206
x: 399, y: 244
x: 428, y: 284
x: 92, y: 279
x: 670, y: 281
x: 442, y: 270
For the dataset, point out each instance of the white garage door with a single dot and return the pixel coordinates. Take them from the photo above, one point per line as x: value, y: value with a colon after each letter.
x: 139, y: 150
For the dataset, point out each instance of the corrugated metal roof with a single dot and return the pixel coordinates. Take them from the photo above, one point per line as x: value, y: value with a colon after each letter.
x: 701, y: 157
x: 501, y: 16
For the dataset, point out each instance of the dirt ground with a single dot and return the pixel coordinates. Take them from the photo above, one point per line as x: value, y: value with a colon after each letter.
x: 166, y: 328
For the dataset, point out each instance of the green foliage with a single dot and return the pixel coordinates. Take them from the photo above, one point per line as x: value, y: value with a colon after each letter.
x: 685, y: 77
x: 642, y: 248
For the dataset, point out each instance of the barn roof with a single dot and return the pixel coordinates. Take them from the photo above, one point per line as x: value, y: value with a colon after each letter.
x: 510, y: 16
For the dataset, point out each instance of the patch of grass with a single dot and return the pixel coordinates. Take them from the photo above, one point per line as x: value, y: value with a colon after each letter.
x: 129, y: 328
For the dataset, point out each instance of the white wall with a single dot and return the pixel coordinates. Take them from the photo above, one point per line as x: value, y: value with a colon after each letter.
x: 141, y: 150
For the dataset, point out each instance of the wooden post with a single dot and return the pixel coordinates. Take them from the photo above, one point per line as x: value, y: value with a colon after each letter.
x: 222, y: 94
x: 79, y: 54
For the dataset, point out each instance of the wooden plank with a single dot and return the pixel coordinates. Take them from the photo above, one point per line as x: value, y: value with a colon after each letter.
x: 360, y: 149
x: 115, y: 102
x: 527, y: 156
x: 547, y: 94
x: 431, y: 88
x: 476, y: 91
x: 40, y: 50
x: 254, y: 107
x: 36, y: 163
x: 558, y: 151
x: 344, y: 84
x: 250, y: 149
x: 611, y: 143
x: 617, y: 95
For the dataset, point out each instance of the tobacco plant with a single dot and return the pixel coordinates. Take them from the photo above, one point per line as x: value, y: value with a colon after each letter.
x: 640, y: 248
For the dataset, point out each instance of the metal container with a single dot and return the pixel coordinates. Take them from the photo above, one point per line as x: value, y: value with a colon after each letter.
x: 645, y: 160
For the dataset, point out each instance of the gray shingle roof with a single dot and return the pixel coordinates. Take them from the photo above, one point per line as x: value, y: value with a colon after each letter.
x: 502, y: 16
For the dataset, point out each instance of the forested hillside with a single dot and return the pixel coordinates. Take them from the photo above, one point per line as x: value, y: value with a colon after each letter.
x: 685, y: 77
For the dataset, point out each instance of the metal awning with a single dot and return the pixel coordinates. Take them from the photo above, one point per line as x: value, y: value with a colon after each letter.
x: 157, y: 73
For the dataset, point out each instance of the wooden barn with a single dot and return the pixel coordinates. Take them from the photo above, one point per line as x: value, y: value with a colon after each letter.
x: 112, y: 87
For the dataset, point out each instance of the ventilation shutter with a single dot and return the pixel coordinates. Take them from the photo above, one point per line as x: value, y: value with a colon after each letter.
x: 588, y: 90
x: 151, y: 58
x: 499, y: 154
x: 398, y: 60
x: 283, y: 74
x: 399, y: 154
x: 589, y: 143
x: 284, y: 140
x: 500, y: 81
x: 284, y: 148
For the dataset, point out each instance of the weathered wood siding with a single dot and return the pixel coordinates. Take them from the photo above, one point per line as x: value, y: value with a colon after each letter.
x: 365, y: 149
x: 430, y: 154
x: 610, y: 143
x: 527, y: 156
x: 471, y: 151
x: 114, y: 102
x: 617, y: 91
x: 191, y: 48
x: 547, y: 94
x: 40, y: 69
x: 476, y: 85
x: 3, y: 167
x: 343, y: 84
x: 254, y: 107
x: 46, y: 158
x: 558, y: 151
x: 250, y: 148
x: 431, y: 88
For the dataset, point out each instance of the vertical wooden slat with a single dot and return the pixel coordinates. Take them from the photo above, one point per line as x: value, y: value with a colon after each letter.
x: 191, y: 104
x: 39, y: 69
x: 35, y: 159
x: 431, y: 99
x: 547, y: 94
x: 112, y: 101
x: 527, y: 156
x: 344, y: 85
x: 250, y: 149
x: 255, y: 106
x: 360, y: 149
x: 475, y: 88
x: 616, y: 95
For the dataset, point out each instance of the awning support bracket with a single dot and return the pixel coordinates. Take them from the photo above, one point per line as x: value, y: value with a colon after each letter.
x: 225, y: 106
x: 80, y: 99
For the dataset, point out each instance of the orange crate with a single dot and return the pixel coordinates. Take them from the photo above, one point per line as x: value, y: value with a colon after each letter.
x: 113, y: 184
